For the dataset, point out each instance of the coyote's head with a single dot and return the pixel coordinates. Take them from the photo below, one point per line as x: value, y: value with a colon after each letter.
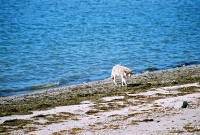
x: 128, y: 72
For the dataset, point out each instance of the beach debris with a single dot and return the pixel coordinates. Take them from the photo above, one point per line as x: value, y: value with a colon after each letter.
x: 185, y: 104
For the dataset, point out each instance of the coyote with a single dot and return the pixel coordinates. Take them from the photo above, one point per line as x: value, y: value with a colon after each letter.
x: 121, y: 71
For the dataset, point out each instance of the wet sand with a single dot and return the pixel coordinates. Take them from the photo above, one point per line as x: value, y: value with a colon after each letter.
x: 151, y: 103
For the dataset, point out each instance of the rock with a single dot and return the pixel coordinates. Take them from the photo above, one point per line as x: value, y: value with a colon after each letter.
x: 151, y: 69
x: 146, y: 120
x: 175, y: 82
x: 185, y: 104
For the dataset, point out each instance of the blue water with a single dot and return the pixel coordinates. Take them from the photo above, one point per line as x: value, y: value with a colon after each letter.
x: 46, y: 43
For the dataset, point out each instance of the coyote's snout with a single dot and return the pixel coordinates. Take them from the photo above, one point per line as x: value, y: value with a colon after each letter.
x: 122, y: 72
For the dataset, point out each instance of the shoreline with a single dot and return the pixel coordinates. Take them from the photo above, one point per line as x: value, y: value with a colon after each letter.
x: 184, y: 80
x: 107, y: 81
x: 57, y: 86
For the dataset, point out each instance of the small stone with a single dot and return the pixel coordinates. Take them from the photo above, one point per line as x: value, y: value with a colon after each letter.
x: 185, y: 104
x: 146, y: 120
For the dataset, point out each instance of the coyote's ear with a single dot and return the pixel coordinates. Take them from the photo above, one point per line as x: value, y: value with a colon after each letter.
x: 128, y: 72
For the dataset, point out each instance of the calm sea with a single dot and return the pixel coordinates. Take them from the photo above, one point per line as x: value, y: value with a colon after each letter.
x: 47, y: 43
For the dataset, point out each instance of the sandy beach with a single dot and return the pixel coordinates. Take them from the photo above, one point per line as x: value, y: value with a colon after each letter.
x: 161, y: 102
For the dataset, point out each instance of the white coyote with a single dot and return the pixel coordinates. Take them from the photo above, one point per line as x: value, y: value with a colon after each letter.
x: 121, y: 71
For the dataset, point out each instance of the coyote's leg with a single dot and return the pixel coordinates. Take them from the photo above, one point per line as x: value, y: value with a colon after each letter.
x: 123, y: 81
x: 114, y: 80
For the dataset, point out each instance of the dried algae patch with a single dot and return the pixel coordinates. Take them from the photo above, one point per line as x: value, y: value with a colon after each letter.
x: 91, y: 112
x: 54, y: 118
x: 113, y: 126
x: 17, y: 124
x: 176, y: 131
x: 191, y: 128
x: 74, y: 130
x: 31, y: 124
